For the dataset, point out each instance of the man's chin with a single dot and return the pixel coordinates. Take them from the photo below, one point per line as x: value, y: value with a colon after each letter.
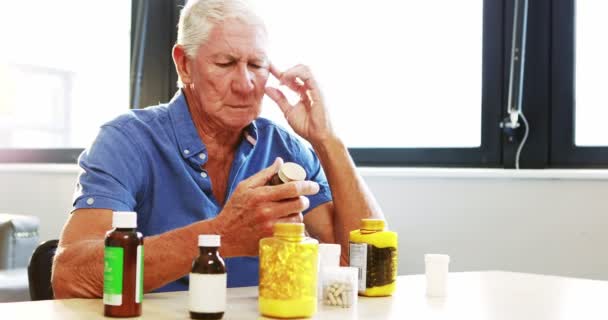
x: 239, y: 123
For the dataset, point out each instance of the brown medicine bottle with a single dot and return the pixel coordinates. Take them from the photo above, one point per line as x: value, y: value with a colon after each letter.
x: 208, y: 282
x: 123, y: 267
x: 289, y: 171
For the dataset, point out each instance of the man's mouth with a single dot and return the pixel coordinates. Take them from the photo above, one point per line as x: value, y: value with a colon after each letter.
x: 239, y: 106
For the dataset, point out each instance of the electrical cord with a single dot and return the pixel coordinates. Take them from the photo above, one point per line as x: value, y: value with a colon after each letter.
x: 523, y: 140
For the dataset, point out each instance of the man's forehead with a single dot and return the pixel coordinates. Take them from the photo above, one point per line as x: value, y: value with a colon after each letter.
x: 236, y: 39
x: 235, y: 32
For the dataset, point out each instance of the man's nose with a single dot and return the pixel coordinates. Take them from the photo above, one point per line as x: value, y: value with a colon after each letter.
x: 243, y: 80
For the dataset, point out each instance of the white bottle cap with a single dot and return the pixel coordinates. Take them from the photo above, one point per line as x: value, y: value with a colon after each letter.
x: 291, y: 171
x: 124, y: 219
x: 209, y: 240
x: 329, y: 254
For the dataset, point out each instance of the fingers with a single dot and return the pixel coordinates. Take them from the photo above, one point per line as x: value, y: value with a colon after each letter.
x: 292, y: 218
x: 288, y: 190
x: 277, y: 96
x: 261, y: 178
x: 275, y: 72
x: 287, y: 210
x: 298, y: 79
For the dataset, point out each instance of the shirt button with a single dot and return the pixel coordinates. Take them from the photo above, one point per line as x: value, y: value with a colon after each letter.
x: 204, y: 174
x: 90, y: 201
x: 186, y: 151
x: 202, y: 156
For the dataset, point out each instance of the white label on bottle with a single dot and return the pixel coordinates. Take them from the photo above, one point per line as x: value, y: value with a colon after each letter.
x: 207, y: 292
x: 139, y: 274
x: 358, y: 259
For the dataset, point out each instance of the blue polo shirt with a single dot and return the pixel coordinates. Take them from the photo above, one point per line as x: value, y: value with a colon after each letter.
x: 149, y: 161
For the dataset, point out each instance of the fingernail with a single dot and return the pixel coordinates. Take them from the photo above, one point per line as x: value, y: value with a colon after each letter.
x: 306, y: 203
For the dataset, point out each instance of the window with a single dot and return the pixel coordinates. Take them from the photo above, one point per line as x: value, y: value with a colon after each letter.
x: 403, y: 79
x: 64, y: 70
x: 591, y: 70
x: 386, y: 82
x: 578, y: 136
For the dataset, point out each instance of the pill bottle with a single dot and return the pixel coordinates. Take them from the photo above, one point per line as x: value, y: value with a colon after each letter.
x: 373, y: 250
x: 288, y: 273
x: 123, y: 272
x: 208, y: 282
x: 289, y: 171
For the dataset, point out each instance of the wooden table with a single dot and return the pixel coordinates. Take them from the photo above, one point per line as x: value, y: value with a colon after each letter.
x: 471, y: 295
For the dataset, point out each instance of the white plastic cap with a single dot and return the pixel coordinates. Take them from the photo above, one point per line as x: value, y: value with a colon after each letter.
x: 209, y: 240
x: 291, y: 171
x: 329, y: 254
x: 124, y: 219
x: 437, y: 258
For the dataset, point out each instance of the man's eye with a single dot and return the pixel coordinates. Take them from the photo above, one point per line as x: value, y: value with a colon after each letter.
x: 224, y: 64
x: 259, y: 66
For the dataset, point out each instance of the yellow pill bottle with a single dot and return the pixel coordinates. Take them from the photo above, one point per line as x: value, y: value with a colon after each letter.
x: 373, y: 250
x: 288, y: 273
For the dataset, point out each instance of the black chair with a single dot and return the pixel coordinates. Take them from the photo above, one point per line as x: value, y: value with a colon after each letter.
x: 39, y: 271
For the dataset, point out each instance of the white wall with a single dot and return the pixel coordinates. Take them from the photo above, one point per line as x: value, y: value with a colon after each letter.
x: 547, y: 221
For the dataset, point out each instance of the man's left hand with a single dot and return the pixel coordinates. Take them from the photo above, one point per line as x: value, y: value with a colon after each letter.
x: 308, y: 117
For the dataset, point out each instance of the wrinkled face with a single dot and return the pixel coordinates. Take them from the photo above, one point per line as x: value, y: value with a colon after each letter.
x: 229, y: 73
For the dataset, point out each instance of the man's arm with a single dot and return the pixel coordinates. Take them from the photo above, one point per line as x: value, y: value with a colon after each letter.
x: 352, y: 200
x: 78, y: 265
x: 248, y: 216
x: 333, y: 221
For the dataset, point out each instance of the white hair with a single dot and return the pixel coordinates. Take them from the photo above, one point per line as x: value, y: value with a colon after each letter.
x: 198, y: 17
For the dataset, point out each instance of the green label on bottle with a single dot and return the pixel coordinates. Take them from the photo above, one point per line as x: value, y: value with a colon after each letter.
x: 112, y: 276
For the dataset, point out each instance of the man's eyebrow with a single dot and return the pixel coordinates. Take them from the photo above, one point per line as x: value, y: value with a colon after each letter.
x: 262, y: 59
x: 223, y: 56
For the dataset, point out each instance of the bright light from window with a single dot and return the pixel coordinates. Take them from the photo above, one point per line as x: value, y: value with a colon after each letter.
x: 591, y: 71
x: 64, y: 70
x: 394, y: 73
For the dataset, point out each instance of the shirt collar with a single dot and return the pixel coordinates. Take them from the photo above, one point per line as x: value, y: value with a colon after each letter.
x: 251, y: 133
x: 188, y: 139
x: 189, y: 142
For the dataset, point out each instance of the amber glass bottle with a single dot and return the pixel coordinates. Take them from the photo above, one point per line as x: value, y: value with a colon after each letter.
x: 208, y: 280
x: 123, y: 267
x: 288, y: 273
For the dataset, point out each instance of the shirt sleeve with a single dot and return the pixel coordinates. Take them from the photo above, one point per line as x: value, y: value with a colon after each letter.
x: 112, y: 173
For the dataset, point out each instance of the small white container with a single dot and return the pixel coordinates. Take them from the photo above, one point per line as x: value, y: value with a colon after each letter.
x: 329, y: 256
x: 339, y: 286
x: 436, y: 270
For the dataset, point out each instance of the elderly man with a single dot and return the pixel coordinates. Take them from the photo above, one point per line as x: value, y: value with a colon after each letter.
x: 200, y: 164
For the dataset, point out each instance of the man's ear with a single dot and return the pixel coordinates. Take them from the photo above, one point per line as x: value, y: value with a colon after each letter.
x: 182, y: 64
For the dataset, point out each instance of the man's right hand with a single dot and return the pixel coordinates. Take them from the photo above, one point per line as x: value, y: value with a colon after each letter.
x: 255, y: 207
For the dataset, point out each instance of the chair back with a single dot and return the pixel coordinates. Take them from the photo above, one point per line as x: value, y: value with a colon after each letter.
x: 39, y: 271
